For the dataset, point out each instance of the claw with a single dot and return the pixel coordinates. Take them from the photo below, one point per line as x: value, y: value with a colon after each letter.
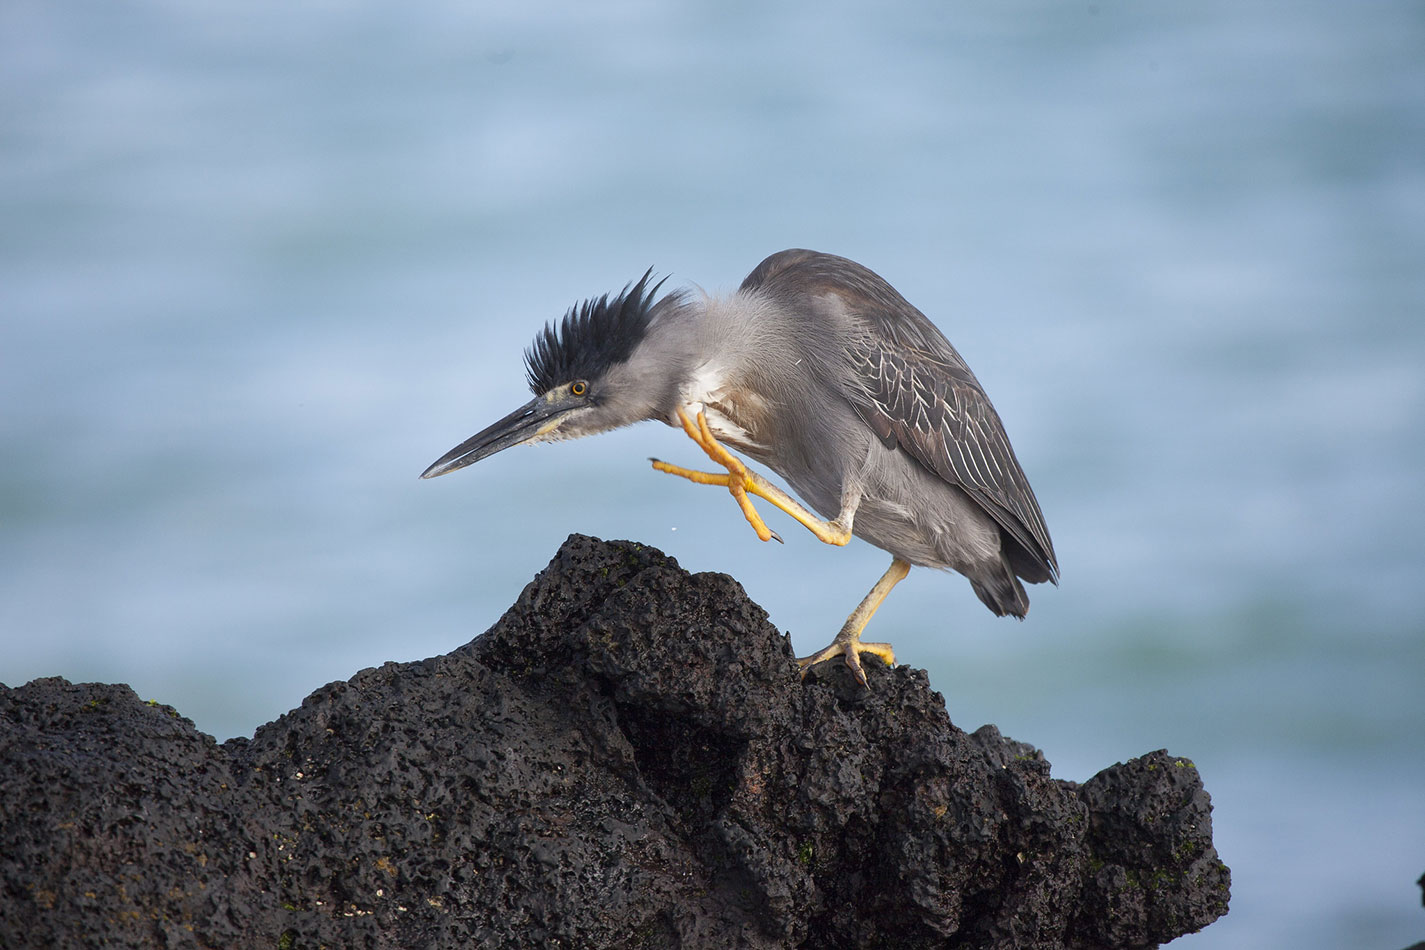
x: 849, y: 648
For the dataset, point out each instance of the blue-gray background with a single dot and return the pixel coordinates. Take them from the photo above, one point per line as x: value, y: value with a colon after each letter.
x: 260, y: 264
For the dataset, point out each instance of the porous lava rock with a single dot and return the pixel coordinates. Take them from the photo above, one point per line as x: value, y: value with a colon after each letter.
x: 626, y: 759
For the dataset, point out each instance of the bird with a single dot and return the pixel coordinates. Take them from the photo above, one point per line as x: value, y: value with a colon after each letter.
x: 818, y: 369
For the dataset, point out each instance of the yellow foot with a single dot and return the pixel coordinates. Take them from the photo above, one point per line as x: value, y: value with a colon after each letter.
x: 733, y: 483
x: 851, y: 648
x: 738, y: 480
x: 848, y: 642
x: 742, y: 481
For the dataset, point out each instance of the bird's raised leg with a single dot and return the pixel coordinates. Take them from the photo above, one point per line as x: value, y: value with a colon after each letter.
x: 848, y: 642
x: 737, y: 478
x: 740, y: 480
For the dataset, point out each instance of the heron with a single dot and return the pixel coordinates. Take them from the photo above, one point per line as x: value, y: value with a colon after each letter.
x: 818, y: 369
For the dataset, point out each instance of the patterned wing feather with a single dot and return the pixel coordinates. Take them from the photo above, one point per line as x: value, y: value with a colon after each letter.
x: 934, y: 408
x: 918, y: 393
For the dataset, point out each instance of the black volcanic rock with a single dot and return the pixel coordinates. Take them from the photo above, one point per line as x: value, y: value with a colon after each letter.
x: 627, y: 759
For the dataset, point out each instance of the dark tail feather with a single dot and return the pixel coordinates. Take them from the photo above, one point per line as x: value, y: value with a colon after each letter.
x: 1000, y: 590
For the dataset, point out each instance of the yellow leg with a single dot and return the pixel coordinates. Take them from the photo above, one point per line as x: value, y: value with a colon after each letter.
x: 736, y: 480
x: 848, y: 642
x: 740, y: 480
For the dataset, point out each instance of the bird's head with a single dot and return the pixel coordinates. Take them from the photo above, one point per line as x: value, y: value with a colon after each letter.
x: 579, y: 371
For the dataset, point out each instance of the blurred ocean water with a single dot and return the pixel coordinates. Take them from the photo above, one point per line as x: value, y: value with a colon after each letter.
x: 259, y: 265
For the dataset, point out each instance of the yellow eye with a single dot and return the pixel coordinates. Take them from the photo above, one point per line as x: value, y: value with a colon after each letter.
x: 579, y: 388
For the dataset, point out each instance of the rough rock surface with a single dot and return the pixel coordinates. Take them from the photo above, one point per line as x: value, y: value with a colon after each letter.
x: 627, y: 759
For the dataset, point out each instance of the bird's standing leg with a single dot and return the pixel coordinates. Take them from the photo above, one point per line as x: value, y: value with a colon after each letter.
x: 740, y: 480
x: 848, y: 642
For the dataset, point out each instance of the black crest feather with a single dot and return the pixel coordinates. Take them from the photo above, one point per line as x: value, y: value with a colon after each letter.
x: 593, y: 336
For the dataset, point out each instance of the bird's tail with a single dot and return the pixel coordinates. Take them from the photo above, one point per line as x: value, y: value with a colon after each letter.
x: 1000, y: 590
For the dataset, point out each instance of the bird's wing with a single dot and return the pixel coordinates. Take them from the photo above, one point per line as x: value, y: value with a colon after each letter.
x: 913, y: 389
x: 919, y: 394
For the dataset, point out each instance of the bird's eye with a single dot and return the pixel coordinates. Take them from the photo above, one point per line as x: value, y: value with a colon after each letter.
x: 579, y: 388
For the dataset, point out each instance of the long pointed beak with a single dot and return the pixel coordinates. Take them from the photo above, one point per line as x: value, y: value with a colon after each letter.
x: 534, y: 419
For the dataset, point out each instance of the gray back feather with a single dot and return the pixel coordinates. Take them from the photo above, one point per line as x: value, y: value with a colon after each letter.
x: 917, y: 392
